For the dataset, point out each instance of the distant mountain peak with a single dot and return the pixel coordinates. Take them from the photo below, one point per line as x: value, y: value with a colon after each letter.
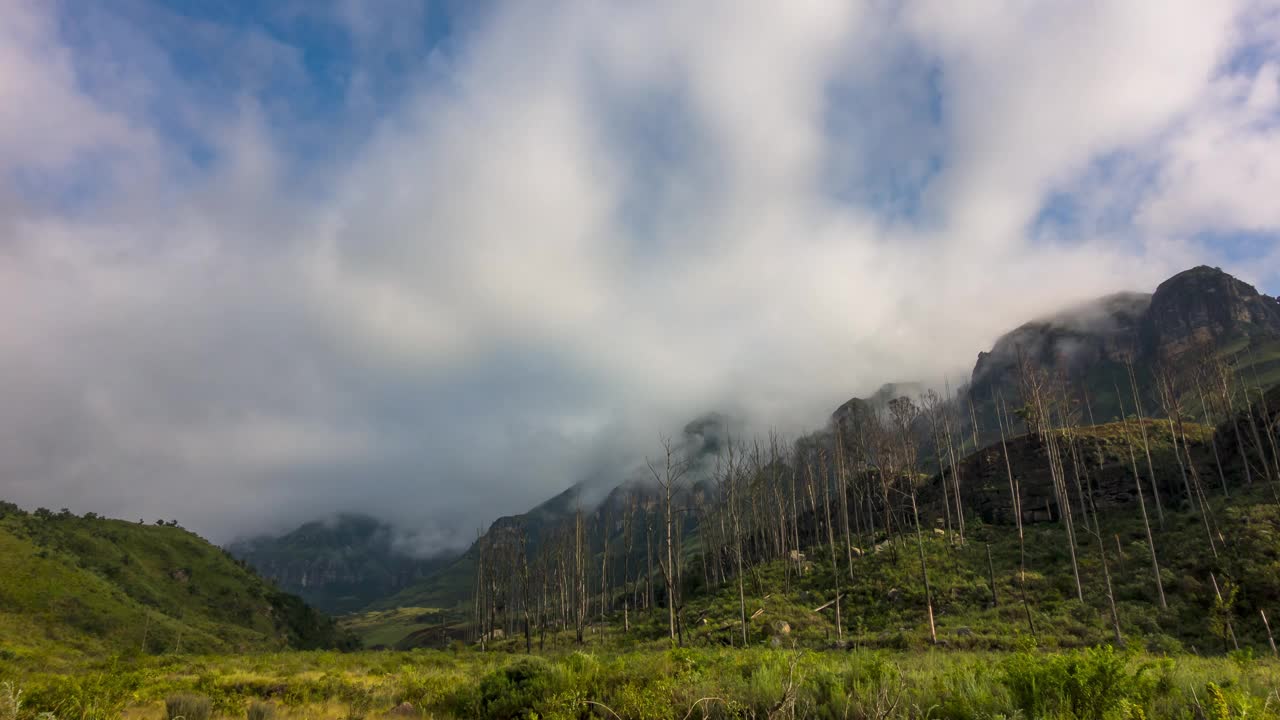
x: 1206, y: 306
x: 338, y: 563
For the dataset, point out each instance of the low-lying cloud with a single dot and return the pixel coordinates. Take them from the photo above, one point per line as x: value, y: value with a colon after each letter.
x: 438, y: 261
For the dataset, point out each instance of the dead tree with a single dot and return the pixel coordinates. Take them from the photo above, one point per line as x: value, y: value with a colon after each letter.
x: 580, y: 552
x: 1039, y: 420
x: 1015, y: 494
x: 904, y: 413
x: 1142, y: 504
x: 842, y: 482
x: 1213, y: 439
x: 732, y: 481
x: 1146, y: 445
x: 668, y: 480
x: 525, y: 591
x: 628, y: 542
x: 1223, y: 373
x: 831, y: 549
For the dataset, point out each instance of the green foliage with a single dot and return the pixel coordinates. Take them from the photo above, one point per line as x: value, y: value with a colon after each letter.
x: 660, y: 682
x: 187, y: 706
x: 73, y: 588
x: 1092, y: 684
x: 89, y: 696
x: 525, y: 689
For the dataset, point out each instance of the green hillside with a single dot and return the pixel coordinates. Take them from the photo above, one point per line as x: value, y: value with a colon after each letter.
x: 1218, y: 551
x: 338, y: 565
x: 444, y: 588
x: 87, y: 587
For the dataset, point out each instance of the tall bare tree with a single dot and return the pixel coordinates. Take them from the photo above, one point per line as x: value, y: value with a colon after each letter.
x: 669, y: 478
x: 1142, y: 504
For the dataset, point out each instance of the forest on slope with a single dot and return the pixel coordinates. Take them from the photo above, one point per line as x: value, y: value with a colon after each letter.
x: 910, y: 521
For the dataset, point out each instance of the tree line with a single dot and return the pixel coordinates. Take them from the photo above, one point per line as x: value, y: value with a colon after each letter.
x: 856, y: 487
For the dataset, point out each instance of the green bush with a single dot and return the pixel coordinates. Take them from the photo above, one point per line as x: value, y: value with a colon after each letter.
x: 527, y: 688
x: 1090, y: 684
x: 187, y: 706
x: 259, y: 710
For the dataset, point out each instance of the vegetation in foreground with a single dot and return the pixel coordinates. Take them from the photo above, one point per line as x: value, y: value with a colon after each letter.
x: 658, y: 683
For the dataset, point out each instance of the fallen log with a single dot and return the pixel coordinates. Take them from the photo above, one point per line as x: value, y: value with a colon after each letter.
x: 826, y: 605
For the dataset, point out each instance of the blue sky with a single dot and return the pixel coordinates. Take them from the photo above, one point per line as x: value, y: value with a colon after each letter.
x: 406, y: 257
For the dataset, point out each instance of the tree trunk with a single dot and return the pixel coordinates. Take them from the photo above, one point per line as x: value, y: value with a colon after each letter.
x: 924, y: 571
x: 1142, y: 503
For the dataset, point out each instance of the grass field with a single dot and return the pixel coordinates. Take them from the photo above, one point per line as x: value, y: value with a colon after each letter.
x: 654, y: 682
x: 388, y: 628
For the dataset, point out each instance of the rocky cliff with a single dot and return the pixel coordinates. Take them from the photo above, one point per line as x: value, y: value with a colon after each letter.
x: 339, y: 565
x: 1205, y: 306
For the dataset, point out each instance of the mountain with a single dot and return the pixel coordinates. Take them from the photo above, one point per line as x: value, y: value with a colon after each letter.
x: 1197, y: 314
x: 1205, y: 306
x: 1202, y: 309
x: 1075, y: 341
x: 879, y: 400
x: 339, y: 565
x: 602, y: 498
x: 73, y: 587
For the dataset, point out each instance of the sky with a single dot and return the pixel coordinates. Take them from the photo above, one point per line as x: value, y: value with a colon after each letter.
x: 436, y: 260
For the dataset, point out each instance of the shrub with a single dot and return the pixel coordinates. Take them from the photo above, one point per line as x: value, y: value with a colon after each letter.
x: 10, y: 701
x: 1094, y: 683
x: 187, y: 706
x: 259, y: 710
x: 526, y: 688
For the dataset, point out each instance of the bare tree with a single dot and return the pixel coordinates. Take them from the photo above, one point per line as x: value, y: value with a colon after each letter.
x: 831, y: 550
x: 628, y: 542
x: 904, y: 413
x: 668, y: 480
x: 1142, y: 503
x: 1146, y: 445
x: 1015, y: 495
x: 732, y: 481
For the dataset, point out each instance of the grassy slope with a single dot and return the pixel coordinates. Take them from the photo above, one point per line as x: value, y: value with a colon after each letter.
x: 74, y: 587
x: 884, y: 604
x: 404, y: 627
x: 658, y: 683
x: 447, y: 587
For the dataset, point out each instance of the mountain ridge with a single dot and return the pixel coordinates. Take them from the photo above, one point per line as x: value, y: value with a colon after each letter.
x: 338, y: 564
x: 1091, y: 339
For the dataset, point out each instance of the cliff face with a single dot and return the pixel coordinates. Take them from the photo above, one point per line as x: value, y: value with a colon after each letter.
x: 1200, y: 310
x: 1205, y: 306
x: 340, y: 565
x: 1105, y: 330
x: 1200, y: 307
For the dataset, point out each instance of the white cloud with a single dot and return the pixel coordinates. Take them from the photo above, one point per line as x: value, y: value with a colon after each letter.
x: 579, y: 226
x: 1221, y: 169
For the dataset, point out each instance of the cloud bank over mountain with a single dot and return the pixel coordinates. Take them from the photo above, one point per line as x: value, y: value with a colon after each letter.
x: 435, y: 261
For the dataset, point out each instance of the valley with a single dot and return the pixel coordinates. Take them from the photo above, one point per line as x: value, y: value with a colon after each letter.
x: 1094, y: 515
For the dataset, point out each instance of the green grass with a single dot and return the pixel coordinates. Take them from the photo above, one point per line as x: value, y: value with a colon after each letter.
x: 388, y: 628
x: 675, y: 683
x: 448, y: 587
x: 74, y: 587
